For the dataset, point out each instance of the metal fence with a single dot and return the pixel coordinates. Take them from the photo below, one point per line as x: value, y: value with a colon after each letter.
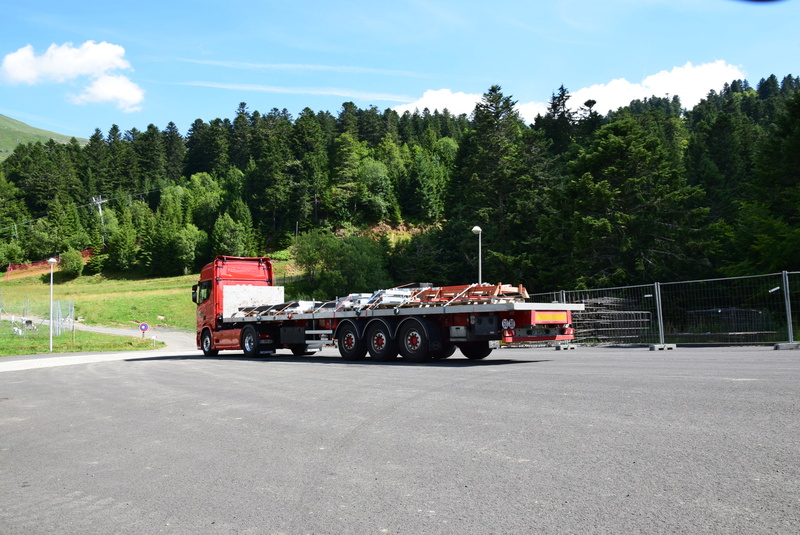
x: 30, y: 319
x: 760, y: 309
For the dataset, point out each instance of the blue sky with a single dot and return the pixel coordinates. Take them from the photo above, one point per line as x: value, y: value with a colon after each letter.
x: 71, y: 68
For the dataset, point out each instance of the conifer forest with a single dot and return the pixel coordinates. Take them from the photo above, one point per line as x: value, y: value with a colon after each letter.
x: 365, y: 198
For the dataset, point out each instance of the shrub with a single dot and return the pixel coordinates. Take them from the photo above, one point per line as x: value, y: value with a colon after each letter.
x: 71, y: 263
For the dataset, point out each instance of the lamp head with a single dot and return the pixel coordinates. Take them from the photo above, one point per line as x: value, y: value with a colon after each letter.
x: 476, y: 229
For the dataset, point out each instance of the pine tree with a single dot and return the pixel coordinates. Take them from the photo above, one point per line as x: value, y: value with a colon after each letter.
x: 625, y: 216
x: 558, y: 124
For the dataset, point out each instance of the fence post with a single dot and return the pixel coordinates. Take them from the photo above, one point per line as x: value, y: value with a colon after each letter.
x: 657, y: 291
x: 660, y: 315
x: 562, y: 296
x: 788, y: 302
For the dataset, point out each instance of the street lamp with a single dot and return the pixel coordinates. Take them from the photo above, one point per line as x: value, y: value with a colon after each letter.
x: 477, y: 230
x: 52, y: 262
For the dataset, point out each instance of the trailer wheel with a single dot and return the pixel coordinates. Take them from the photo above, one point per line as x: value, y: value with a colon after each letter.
x: 351, y: 346
x: 414, y: 342
x: 475, y: 350
x: 207, y: 344
x: 379, y: 343
x: 249, y: 342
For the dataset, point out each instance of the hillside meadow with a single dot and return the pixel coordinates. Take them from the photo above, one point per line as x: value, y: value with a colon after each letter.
x: 14, y: 132
x: 100, y: 300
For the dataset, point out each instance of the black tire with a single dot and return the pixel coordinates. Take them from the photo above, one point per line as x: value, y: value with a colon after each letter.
x: 249, y: 342
x: 447, y: 350
x: 380, y: 345
x: 413, y: 342
x: 351, y: 345
x: 476, y: 350
x: 207, y: 344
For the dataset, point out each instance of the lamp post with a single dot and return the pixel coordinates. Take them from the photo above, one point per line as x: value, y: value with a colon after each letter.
x: 477, y: 230
x: 52, y: 262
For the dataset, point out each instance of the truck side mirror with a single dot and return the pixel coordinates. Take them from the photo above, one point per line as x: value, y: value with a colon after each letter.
x: 194, y: 294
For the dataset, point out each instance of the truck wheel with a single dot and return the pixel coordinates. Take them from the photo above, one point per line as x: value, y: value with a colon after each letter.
x: 475, y: 350
x: 414, y: 342
x: 207, y: 344
x: 380, y: 345
x: 351, y: 346
x: 249, y: 342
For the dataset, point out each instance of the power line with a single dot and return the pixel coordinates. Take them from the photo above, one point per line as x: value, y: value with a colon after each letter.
x: 91, y: 204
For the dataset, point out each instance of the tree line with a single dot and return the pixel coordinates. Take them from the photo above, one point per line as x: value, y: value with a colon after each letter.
x: 651, y: 191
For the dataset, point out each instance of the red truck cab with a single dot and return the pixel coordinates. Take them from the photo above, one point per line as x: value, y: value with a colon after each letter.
x: 226, y: 285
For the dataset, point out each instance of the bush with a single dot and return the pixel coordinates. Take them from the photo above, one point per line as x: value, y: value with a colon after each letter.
x: 71, y: 263
x: 340, y: 266
x: 283, y: 255
x: 11, y: 253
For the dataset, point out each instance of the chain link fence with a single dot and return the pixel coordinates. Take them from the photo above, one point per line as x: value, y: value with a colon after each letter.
x: 32, y: 319
x: 760, y: 309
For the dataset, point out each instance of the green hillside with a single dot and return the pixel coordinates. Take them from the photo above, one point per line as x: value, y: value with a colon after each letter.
x: 13, y: 132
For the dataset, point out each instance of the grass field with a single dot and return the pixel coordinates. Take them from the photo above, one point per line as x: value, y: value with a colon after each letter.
x: 106, y: 301
x: 98, y: 300
x: 39, y: 342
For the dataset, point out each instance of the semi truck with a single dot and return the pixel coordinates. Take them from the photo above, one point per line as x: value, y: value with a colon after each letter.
x: 240, y: 308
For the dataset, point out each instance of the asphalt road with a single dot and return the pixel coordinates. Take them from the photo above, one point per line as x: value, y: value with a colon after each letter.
x: 527, y: 441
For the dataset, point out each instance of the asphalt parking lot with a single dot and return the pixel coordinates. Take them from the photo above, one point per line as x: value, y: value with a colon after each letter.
x: 527, y: 441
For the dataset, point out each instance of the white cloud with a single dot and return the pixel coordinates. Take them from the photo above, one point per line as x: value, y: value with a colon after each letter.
x: 62, y: 63
x: 456, y: 103
x: 530, y: 110
x: 690, y: 82
x: 117, y: 89
x: 90, y: 64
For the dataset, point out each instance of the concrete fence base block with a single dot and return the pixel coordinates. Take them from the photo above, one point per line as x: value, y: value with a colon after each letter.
x: 660, y: 347
x: 560, y: 347
x: 788, y: 345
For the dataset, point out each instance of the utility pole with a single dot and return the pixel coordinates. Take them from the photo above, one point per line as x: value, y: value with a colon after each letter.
x: 98, y: 201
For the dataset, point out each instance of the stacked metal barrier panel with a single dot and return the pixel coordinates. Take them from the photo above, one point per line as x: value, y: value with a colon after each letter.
x: 623, y: 315
x: 762, y: 309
